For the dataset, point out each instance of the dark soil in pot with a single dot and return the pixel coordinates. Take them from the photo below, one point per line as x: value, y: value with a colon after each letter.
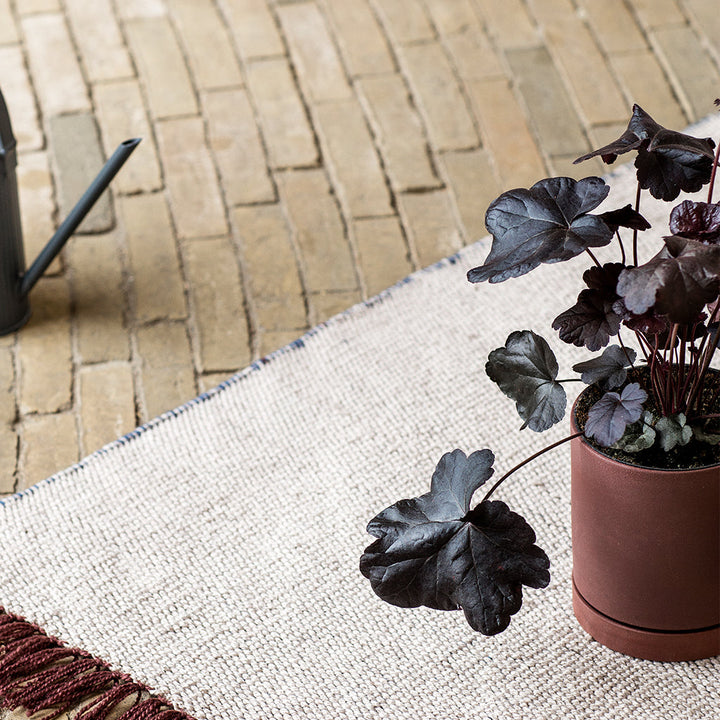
x: 695, y: 454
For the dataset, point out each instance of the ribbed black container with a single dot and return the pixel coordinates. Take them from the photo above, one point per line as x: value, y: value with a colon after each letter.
x: 14, y: 306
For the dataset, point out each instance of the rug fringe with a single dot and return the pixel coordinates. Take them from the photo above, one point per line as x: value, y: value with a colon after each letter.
x: 40, y: 673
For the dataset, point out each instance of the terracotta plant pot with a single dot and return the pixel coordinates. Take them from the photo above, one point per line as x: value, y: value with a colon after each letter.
x: 646, y: 556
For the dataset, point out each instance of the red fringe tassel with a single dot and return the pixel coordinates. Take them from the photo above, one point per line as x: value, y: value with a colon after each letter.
x: 38, y: 672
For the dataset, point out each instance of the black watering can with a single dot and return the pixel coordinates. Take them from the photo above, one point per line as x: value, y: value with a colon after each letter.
x: 15, y: 283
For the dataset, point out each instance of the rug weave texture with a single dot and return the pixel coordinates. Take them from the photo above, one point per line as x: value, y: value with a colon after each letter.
x: 213, y: 554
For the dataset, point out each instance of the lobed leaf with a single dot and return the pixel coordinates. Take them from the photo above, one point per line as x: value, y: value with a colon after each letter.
x: 589, y: 323
x: 638, y: 436
x: 612, y: 413
x: 432, y: 551
x: 696, y: 220
x: 525, y: 370
x: 668, y: 171
x: 678, y: 282
x: 648, y: 323
x: 625, y: 217
x: 609, y: 370
x: 667, y: 162
x: 592, y: 320
x: 546, y: 224
x: 673, y: 430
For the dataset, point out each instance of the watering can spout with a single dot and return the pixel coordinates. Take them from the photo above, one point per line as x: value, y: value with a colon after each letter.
x: 76, y: 215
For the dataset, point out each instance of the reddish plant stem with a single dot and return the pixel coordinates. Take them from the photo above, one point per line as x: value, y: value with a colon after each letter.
x: 595, y: 260
x: 526, y: 461
x: 625, y: 350
x: 622, y: 247
x: 704, y: 359
x: 635, y: 232
x: 712, y: 176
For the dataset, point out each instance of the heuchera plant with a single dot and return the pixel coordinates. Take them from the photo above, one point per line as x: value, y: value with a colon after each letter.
x: 434, y: 550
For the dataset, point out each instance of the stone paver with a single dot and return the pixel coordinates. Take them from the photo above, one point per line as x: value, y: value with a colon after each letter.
x: 683, y: 57
x: 163, y: 71
x: 253, y: 27
x: 45, y: 362
x: 297, y: 157
x: 436, y: 90
x: 19, y: 99
x: 36, y: 205
x: 383, y: 253
x: 317, y: 64
x: 237, y: 147
x: 158, y: 286
x: 362, y: 43
x: 283, y: 119
x: 206, y: 39
x: 217, y: 299
x: 121, y: 116
x: 275, y: 291
x: 191, y: 178
x: 40, y: 458
x: 49, y: 48
x: 167, y: 367
x: 77, y: 158
x: 352, y: 159
x: 8, y: 27
x: 317, y: 223
x: 106, y: 402
x: 406, y: 21
x: 97, y: 34
x: 474, y: 185
x: 398, y: 132
x: 98, y: 292
x: 502, y: 122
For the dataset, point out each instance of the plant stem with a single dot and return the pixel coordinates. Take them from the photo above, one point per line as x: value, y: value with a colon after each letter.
x: 704, y: 364
x: 712, y: 176
x: 622, y: 247
x: 625, y: 350
x: 644, y: 346
x: 595, y: 260
x: 635, y: 232
x: 670, y: 375
x: 526, y: 461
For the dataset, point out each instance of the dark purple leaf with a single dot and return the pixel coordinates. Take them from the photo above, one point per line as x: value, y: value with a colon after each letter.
x: 625, y: 217
x: 648, y: 323
x: 592, y: 320
x: 696, y: 220
x: 639, y: 130
x: 547, y: 223
x: 668, y: 162
x: 525, y: 370
x: 613, y: 412
x: 609, y: 369
x: 432, y: 551
x: 678, y: 282
x: 604, y: 278
x: 668, y: 171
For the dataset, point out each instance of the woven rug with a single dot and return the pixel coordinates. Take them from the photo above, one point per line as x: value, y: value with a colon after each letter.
x: 212, y: 555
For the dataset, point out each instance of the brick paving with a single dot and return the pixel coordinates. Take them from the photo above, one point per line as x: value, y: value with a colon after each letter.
x: 297, y: 157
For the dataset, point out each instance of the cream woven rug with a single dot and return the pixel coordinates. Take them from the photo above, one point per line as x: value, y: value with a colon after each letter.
x: 213, y: 554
